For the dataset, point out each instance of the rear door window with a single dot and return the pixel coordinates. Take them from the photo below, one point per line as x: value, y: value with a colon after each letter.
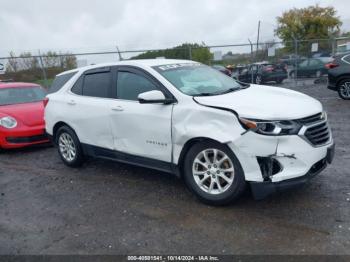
x: 315, y: 62
x: 60, y: 81
x: 97, y: 84
x: 304, y: 63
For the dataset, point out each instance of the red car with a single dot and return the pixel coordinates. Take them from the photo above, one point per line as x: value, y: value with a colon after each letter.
x: 21, y: 115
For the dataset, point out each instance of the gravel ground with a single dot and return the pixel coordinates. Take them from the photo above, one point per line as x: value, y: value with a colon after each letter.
x: 111, y: 208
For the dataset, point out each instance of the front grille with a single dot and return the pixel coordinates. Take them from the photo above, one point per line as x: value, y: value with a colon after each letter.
x: 315, y: 129
x: 29, y: 139
x: 310, y: 119
x: 318, y: 134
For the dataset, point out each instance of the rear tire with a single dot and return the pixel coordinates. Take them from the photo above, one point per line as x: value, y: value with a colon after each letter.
x: 279, y: 81
x: 258, y: 80
x: 69, y: 147
x: 318, y: 74
x: 344, y: 89
x: 213, y: 173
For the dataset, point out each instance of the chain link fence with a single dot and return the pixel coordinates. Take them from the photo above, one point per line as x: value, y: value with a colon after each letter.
x: 299, y: 58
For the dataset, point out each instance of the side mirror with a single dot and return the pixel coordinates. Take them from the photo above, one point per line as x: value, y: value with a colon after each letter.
x: 154, y: 97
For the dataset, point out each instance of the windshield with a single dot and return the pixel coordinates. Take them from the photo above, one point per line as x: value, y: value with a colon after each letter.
x: 196, y: 79
x: 20, y: 95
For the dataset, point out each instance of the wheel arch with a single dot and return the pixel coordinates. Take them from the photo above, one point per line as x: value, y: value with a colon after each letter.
x: 57, y: 126
x: 342, y: 78
x: 187, y: 146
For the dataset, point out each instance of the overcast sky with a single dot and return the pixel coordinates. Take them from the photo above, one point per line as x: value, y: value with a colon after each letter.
x: 100, y: 25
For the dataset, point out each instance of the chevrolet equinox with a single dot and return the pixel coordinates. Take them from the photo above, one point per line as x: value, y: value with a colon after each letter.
x: 185, y: 118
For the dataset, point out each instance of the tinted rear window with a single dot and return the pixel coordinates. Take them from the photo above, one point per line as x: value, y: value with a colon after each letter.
x: 60, y: 81
x: 97, y: 85
x: 21, y: 95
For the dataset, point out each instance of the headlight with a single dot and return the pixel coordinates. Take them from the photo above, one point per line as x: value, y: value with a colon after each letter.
x: 271, y: 128
x: 8, y: 122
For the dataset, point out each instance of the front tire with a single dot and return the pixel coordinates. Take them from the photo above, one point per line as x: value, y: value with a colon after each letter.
x: 213, y: 173
x: 258, y: 80
x: 344, y: 89
x: 69, y: 147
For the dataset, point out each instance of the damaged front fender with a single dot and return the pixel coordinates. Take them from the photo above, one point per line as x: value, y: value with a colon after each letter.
x: 221, y: 126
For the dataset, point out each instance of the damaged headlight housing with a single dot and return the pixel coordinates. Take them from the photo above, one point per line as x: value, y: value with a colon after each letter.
x: 8, y: 122
x: 271, y: 128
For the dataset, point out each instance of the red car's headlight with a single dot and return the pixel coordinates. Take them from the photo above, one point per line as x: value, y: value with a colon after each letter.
x: 8, y: 122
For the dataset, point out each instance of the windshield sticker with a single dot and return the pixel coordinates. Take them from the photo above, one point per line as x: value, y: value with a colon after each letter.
x: 175, y: 66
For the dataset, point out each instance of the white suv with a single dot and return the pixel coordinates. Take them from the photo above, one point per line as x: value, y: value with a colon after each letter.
x: 188, y: 119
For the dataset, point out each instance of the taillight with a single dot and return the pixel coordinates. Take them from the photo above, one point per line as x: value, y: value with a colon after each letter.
x: 268, y: 69
x: 331, y: 65
x: 46, y: 101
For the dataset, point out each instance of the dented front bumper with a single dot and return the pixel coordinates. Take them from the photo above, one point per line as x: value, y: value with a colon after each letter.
x: 261, y: 190
x: 272, y: 163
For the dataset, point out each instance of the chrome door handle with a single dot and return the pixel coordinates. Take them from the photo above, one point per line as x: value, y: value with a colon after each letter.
x: 117, y: 108
x: 71, y: 102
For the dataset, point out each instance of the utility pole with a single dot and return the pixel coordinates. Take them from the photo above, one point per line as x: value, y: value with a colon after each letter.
x: 119, y: 54
x: 252, y: 60
x: 257, y: 40
x: 296, y: 60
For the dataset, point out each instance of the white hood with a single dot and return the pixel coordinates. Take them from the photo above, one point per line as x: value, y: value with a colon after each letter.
x: 265, y: 103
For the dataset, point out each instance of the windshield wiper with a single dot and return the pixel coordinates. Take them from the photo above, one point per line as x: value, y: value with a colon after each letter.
x: 232, y: 89
x: 206, y: 94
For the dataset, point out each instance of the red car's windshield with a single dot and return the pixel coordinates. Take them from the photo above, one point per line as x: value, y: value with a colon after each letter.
x: 20, y: 95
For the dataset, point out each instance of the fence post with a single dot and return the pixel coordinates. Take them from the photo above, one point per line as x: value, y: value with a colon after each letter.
x: 333, y: 45
x: 251, y: 58
x: 190, y: 52
x: 296, y: 62
x: 43, y: 69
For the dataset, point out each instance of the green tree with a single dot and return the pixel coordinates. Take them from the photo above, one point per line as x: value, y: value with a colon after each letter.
x: 313, y: 22
x: 199, y: 52
x: 12, y: 63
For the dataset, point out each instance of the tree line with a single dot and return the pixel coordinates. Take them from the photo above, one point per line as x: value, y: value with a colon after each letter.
x: 29, y: 68
x: 193, y: 51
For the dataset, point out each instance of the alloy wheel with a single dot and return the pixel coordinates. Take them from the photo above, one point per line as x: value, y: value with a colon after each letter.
x: 258, y: 80
x: 213, y: 171
x: 345, y: 89
x: 67, y: 147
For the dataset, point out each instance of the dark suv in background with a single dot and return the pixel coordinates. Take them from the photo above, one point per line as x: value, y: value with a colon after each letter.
x: 262, y: 73
x: 339, y: 75
x: 312, y: 67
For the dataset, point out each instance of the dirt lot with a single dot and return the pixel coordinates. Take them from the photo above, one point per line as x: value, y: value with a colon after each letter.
x: 111, y: 208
